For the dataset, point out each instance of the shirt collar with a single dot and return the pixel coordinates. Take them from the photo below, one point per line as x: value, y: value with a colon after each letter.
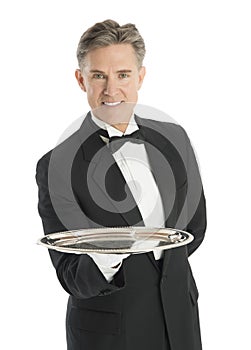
x: 131, y: 127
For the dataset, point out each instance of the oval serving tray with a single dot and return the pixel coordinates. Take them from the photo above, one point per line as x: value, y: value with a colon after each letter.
x: 116, y: 240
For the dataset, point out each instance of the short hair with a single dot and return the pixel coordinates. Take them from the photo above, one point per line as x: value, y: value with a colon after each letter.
x: 107, y: 33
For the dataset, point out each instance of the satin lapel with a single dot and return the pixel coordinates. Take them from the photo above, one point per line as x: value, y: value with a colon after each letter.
x: 159, y: 160
x: 115, y: 187
x: 105, y: 174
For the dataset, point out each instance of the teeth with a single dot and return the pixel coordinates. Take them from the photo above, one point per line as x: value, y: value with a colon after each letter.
x: 111, y: 103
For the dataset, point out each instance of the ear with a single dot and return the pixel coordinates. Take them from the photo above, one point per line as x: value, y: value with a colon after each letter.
x: 80, y: 79
x: 142, y: 73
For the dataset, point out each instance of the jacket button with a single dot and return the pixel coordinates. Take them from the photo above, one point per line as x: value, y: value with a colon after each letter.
x: 163, y: 280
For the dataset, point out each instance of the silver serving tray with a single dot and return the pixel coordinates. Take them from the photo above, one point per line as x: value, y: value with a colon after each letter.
x: 116, y: 240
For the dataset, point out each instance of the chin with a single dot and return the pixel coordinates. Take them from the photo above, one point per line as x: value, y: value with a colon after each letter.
x: 119, y: 114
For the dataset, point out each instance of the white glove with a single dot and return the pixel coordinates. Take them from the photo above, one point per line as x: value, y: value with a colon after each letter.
x: 108, y: 264
x: 145, y: 244
x: 107, y: 260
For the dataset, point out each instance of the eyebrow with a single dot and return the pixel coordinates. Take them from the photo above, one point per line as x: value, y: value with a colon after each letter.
x: 119, y: 71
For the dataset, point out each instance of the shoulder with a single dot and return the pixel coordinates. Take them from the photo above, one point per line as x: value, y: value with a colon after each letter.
x: 43, y: 162
x: 59, y: 152
x: 69, y: 141
x: 169, y: 130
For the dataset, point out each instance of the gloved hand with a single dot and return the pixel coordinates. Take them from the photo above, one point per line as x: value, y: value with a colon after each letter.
x: 145, y: 244
x: 108, y: 260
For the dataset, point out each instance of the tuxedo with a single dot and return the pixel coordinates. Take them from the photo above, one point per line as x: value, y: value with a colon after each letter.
x: 145, y: 306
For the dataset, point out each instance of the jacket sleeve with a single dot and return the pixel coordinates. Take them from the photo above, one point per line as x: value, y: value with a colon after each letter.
x: 196, y: 202
x: 189, y: 209
x: 78, y: 274
x: 197, y: 225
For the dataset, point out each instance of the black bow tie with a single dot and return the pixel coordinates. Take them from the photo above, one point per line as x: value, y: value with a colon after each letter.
x: 115, y: 142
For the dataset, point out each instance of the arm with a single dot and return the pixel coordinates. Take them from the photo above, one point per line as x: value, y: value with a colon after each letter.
x: 196, y: 203
x: 197, y: 225
x: 78, y: 274
x: 189, y: 208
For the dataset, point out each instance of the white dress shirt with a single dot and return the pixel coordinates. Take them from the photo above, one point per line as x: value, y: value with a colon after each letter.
x: 133, y: 162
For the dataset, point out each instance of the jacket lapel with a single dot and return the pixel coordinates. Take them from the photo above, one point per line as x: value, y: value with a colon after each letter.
x: 104, y: 173
x: 158, y: 156
x: 167, y: 171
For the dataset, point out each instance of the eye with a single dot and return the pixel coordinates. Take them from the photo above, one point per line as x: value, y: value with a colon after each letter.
x: 98, y: 76
x: 123, y: 75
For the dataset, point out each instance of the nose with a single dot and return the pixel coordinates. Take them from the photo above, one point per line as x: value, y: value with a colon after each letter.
x: 111, y: 87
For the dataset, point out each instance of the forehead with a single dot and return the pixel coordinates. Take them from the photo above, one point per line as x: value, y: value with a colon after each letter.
x: 119, y: 56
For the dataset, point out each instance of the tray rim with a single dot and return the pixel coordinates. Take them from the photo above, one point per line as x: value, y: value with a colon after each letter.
x: 189, y: 239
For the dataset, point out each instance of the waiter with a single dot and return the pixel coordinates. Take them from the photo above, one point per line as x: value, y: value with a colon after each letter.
x: 121, y: 169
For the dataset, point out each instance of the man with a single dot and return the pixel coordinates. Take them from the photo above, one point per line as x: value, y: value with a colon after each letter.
x: 101, y: 177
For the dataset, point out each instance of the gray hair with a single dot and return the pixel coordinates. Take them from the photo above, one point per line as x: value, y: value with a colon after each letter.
x: 108, y: 33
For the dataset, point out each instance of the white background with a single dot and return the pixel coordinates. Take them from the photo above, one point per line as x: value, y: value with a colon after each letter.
x: 198, y: 71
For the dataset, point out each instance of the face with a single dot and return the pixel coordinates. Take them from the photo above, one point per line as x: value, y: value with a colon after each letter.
x: 111, y: 79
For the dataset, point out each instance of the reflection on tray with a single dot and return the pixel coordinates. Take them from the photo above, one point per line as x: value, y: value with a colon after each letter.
x: 99, y: 244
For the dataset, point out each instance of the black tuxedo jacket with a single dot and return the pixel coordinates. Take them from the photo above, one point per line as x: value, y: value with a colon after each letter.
x: 144, y: 307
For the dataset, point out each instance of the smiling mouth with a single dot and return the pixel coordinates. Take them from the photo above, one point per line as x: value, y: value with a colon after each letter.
x: 112, y: 104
